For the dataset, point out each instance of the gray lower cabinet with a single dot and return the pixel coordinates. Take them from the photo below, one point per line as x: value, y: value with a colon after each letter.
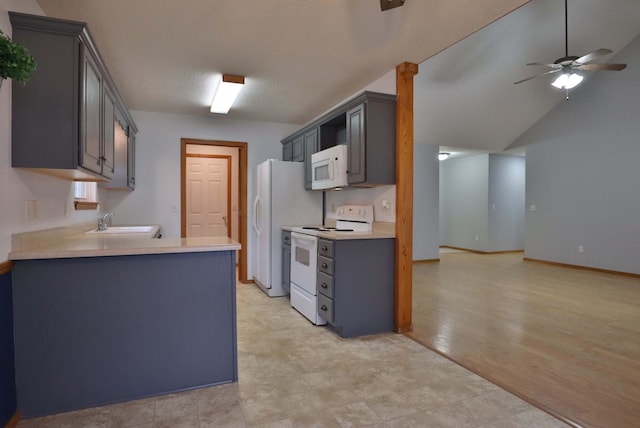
x: 97, y: 330
x: 63, y: 118
x: 356, y: 285
x: 286, y: 260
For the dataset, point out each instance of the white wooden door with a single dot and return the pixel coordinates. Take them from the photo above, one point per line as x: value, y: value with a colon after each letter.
x: 207, y: 195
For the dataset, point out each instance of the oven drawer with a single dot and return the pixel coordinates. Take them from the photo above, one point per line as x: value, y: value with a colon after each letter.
x: 325, y: 284
x: 325, y: 265
x: 325, y: 308
x: 325, y: 248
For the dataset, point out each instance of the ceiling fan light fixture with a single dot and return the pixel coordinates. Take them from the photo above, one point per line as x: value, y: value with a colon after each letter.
x: 567, y: 81
x: 226, y: 93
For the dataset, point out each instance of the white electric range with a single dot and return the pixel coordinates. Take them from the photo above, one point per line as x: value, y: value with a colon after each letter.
x: 304, y: 256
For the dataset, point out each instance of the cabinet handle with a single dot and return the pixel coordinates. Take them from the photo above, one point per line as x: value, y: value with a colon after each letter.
x: 324, y: 285
x: 323, y: 308
x: 324, y: 248
x: 324, y: 265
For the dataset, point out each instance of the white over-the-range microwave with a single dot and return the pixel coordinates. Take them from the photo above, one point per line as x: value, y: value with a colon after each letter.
x: 329, y: 168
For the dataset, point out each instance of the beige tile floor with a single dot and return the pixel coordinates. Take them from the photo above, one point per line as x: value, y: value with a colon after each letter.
x: 293, y: 374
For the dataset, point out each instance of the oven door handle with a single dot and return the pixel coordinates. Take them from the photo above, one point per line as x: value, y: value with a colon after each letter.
x: 304, y: 240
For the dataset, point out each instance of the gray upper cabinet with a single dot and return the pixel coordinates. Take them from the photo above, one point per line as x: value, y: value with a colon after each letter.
x: 356, y: 143
x: 367, y: 125
x: 131, y: 160
x: 287, y: 151
x: 124, y: 153
x: 298, y: 149
x: 108, y: 134
x: 311, y: 145
x: 63, y: 119
x: 90, y: 122
x: 371, y: 138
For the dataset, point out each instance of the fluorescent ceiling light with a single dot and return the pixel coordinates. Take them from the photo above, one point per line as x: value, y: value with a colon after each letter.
x: 443, y: 156
x: 567, y: 81
x: 226, y: 93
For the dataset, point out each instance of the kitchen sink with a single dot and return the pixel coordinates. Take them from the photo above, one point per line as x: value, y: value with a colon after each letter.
x: 123, y: 229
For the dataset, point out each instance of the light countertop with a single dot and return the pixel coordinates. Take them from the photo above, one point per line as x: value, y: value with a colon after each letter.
x: 123, y: 244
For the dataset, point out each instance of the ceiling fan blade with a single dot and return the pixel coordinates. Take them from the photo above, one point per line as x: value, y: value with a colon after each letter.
x: 537, y: 75
x: 593, y: 55
x: 546, y: 65
x: 596, y: 67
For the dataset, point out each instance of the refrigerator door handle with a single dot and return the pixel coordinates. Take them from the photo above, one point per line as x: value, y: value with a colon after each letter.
x: 255, y: 215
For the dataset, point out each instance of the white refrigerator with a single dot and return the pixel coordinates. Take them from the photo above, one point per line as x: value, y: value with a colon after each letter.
x: 281, y: 200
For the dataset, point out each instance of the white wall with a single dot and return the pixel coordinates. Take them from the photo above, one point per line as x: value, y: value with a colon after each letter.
x: 158, y: 164
x: 583, y: 173
x: 18, y: 186
x: 464, y: 202
x: 426, y: 240
x: 483, y: 196
x: 506, y: 202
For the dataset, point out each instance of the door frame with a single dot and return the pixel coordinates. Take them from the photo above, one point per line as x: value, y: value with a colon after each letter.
x: 242, y: 193
x: 183, y: 210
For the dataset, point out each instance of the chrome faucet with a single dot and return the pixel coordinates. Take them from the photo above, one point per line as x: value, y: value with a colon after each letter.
x: 102, y: 221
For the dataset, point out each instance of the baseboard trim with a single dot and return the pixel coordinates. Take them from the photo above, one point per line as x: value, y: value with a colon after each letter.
x: 482, y: 252
x: 6, y: 267
x: 589, y: 268
x: 13, y: 422
x: 415, y: 262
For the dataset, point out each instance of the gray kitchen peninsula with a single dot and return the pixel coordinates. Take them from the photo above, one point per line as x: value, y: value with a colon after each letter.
x: 101, y: 320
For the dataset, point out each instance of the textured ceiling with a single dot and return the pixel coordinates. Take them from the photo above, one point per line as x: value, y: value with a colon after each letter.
x: 301, y: 57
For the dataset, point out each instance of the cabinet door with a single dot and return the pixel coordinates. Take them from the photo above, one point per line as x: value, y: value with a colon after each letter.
x: 91, y: 115
x: 131, y: 160
x: 311, y: 145
x: 287, y: 151
x: 298, y: 149
x: 356, y: 142
x: 109, y: 134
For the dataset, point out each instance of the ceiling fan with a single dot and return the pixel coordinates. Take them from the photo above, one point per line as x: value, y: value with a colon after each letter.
x: 568, y: 65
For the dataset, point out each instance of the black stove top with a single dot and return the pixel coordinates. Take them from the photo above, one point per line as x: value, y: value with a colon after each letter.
x: 326, y: 229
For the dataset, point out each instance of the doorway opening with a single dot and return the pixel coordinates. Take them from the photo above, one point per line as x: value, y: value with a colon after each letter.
x: 236, y: 209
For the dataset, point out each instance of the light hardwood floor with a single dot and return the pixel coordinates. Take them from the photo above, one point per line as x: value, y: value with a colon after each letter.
x: 566, y: 340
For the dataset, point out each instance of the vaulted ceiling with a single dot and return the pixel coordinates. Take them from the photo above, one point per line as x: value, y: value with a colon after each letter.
x: 301, y: 57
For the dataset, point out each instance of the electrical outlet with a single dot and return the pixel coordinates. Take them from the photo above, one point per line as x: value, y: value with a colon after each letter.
x: 532, y: 208
x: 580, y: 249
x: 477, y: 238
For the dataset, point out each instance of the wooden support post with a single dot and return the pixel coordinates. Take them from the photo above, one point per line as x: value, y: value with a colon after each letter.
x: 404, y: 195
